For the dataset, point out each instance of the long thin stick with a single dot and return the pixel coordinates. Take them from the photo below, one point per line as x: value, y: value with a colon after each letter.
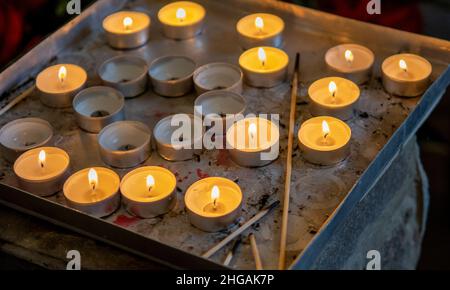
x: 255, y: 252
x: 239, y: 231
x: 287, y: 183
x: 17, y: 99
x: 232, y: 252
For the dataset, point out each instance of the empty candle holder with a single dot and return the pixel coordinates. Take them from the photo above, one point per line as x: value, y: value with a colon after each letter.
x: 171, y: 76
x: 219, y: 106
x: 184, y: 147
x: 218, y: 76
x: 149, y: 191
x: 24, y: 134
x: 125, y: 144
x: 94, y: 191
x: 127, y: 74
x: 43, y: 170
x: 97, y: 107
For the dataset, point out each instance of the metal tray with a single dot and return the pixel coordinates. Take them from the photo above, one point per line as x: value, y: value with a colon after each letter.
x: 321, y: 197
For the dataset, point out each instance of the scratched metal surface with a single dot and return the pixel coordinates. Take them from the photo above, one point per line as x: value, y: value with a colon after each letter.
x: 316, y: 191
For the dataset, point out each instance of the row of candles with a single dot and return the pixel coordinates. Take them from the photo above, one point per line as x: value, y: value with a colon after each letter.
x: 212, y: 203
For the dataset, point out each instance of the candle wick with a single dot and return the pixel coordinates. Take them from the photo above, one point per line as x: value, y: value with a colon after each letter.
x: 215, y: 204
x: 150, y: 188
x: 42, y: 164
x: 93, y: 186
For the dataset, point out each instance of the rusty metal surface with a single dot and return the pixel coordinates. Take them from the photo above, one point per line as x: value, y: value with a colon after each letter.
x: 317, y: 191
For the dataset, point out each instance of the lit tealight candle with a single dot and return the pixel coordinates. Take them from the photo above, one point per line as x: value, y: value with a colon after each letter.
x: 58, y: 84
x: 333, y: 96
x: 42, y: 170
x: 94, y: 191
x: 127, y: 29
x: 213, y: 203
x: 406, y: 75
x: 182, y: 19
x: 351, y: 61
x: 324, y: 140
x: 148, y: 191
x: 253, y: 142
x: 264, y: 67
x: 260, y: 29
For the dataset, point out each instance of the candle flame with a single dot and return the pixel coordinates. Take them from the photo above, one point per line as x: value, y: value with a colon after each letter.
x: 62, y: 74
x: 403, y: 66
x: 325, y: 129
x: 150, y: 182
x: 262, y: 56
x: 41, y: 158
x: 93, y: 178
x: 349, y: 56
x: 252, y: 130
x: 181, y: 14
x: 215, y: 194
x: 127, y: 22
x: 259, y: 23
x: 332, y: 87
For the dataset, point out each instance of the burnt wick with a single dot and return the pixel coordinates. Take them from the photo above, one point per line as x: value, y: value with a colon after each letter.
x: 99, y: 114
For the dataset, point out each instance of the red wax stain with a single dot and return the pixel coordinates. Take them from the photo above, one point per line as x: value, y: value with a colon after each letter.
x: 202, y: 174
x: 125, y: 221
x: 223, y: 158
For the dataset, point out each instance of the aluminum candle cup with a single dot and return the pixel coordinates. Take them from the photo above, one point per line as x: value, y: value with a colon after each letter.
x: 219, y: 106
x: 94, y: 191
x: 127, y: 74
x: 171, y: 76
x: 58, y: 84
x: 125, y: 144
x: 213, y: 203
x: 406, y: 75
x: 218, y: 76
x: 182, y: 19
x: 253, y: 142
x: 324, y: 140
x: 264, y: 67
x: 24, y: 134
x: 97, y: 107
x: 260, y: 29
x: 127, y: 29
x: 350, y: 61
x: 334, y: 97
x: 174, y: 147
x: 42, y: 171
x: 148, y: 191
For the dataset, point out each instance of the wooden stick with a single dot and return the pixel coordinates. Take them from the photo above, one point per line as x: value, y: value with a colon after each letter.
x: 255, y: 252
x: 231, y: 253
x: 17, y: 100
x: 287, y: 183
x: 241, y: 229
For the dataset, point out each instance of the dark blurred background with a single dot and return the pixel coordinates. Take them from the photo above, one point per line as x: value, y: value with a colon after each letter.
x: 25, y: 23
